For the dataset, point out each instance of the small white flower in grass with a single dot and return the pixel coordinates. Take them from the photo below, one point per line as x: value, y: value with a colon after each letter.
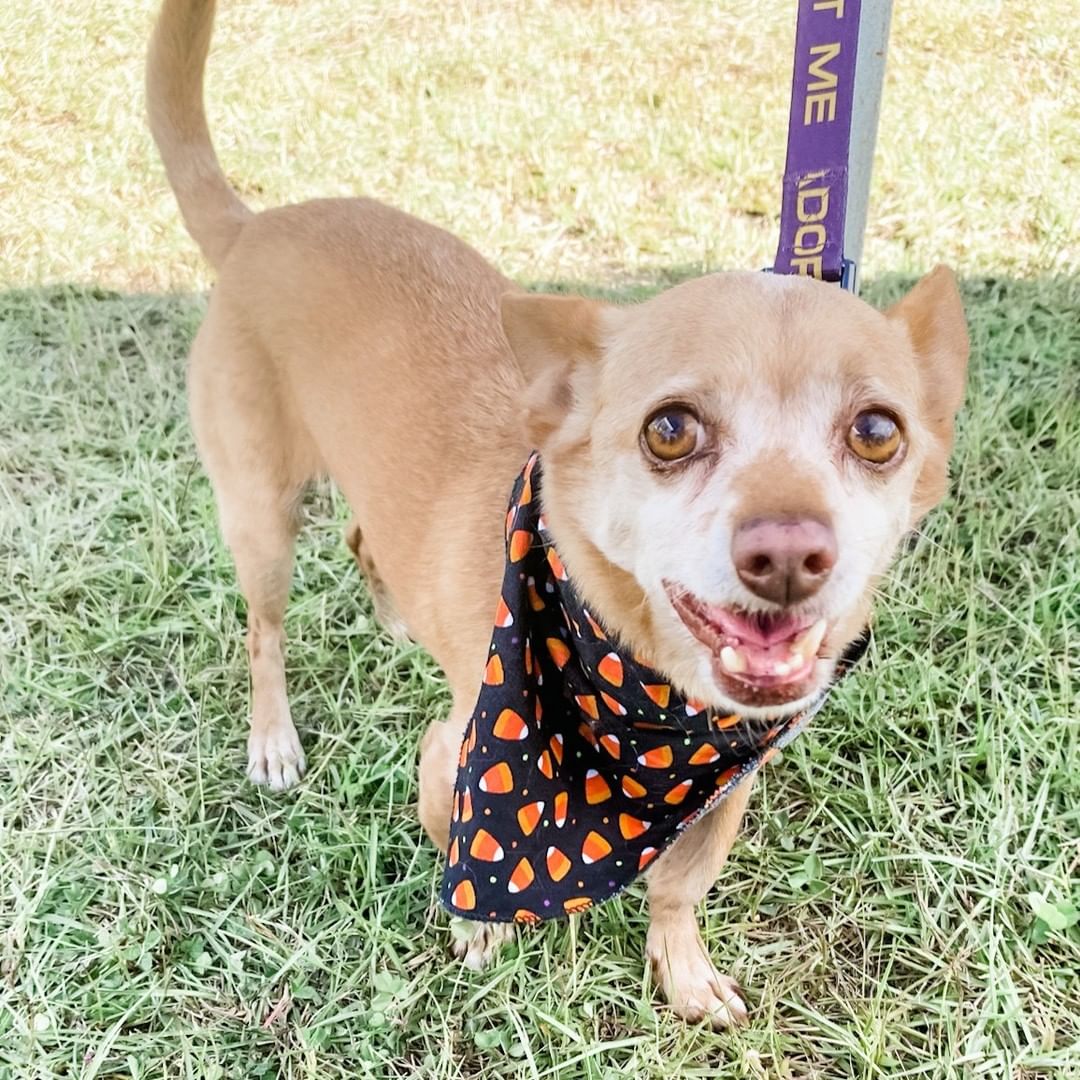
x: 752, y: 1060
x: 159, y: 886
x: 41, y: 1023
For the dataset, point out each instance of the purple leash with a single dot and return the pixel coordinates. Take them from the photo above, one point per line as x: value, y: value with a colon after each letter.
x: 820, y: 234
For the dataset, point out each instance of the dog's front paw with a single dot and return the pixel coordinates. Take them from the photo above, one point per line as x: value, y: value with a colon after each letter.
x: 475, y: 943
x: 275, y: 757
x: 694, y: 989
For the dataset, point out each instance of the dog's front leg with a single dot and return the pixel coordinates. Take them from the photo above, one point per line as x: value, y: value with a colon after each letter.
x: 677, y: 883
x: 475, y: 943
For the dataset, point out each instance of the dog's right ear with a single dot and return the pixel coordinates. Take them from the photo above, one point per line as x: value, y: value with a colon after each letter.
x: 556, y: 341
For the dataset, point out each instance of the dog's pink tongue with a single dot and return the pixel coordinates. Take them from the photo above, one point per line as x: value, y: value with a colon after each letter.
x: 775, y: 660
x: 764, y: 631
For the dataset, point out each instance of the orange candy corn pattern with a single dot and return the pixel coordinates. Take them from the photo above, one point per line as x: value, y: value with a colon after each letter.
x: 581, y: 764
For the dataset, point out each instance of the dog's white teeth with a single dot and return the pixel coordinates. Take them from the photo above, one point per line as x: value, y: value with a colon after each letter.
x: 733, y: 660
x: 781, y: 668
x: 806, y: 646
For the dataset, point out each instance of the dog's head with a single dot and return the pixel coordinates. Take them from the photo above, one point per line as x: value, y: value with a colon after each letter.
x: 730, y: 466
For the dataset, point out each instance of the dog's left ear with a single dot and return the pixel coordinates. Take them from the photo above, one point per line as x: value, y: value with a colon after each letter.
x: 933, y: 316
x: 557, y: 343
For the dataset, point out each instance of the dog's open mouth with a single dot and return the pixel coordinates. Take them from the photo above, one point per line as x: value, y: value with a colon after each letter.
x: 761, y: 658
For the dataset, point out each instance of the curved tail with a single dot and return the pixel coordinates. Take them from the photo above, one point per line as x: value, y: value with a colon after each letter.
x: 212, y: 211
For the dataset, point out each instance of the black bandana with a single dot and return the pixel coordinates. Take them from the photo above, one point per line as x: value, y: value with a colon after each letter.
x: 580, y: 764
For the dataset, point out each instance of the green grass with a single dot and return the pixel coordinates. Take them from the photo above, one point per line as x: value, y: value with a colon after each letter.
x: 899, y: 904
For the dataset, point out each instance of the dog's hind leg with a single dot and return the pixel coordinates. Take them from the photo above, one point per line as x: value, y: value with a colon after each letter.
x: 260, y: 533
x: 259, y: 465
x: 386, y: 614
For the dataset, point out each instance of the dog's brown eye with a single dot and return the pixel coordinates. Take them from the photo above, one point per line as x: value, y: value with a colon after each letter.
x: 672, y: 434
x: 875, y: 437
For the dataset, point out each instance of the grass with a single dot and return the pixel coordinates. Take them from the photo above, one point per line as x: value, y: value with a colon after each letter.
x: 903, y: 901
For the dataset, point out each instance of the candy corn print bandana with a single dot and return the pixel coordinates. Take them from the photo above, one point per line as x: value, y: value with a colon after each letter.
x: 580, y: 764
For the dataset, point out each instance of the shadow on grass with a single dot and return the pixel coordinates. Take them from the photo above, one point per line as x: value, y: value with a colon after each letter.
x: 163, y: 907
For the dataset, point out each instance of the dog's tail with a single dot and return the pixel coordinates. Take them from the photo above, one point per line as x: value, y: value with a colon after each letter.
x: 212, y: 211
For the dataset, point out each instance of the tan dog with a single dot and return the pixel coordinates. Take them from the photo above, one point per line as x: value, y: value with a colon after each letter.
x: 728, y: 468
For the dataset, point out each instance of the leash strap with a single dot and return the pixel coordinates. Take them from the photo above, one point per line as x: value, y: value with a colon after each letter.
x: 814, y: 208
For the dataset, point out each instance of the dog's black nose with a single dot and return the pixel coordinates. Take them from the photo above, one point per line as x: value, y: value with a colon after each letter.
x: 783, y: 560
